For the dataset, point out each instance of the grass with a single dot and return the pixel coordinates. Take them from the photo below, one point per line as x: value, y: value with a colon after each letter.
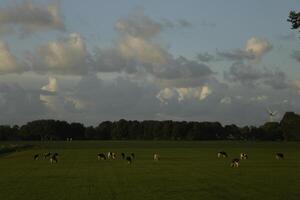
x: 187, y: 170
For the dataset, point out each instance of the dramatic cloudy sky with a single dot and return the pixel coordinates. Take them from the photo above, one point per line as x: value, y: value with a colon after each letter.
x: 96, y: 60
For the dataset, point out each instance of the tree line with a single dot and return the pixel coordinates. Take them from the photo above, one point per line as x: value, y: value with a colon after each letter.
x: 287, y: 129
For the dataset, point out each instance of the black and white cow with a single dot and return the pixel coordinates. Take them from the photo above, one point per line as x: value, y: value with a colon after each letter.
x: 132, y: 155
x: 222, y: 154
x: 156, y: 157
x: 113, y: 156
x: 109, y: 155
x: 279, y: 156
x: 243, y: 156
x: 235, y: 162
x: 53, y: 159
x: 101, y: 156
x: 36, y: 156
x: 129, y: 159
x: 47, y: 155
x: 123, y: 155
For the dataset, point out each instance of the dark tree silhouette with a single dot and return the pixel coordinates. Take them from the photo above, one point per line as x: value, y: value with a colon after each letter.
x: 294, y: 19
x: 287, y: 129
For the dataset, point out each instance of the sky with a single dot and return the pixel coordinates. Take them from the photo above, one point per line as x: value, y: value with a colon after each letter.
x: 94, y: 60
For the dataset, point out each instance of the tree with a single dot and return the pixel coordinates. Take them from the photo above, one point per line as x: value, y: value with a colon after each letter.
x: 294, y: 19
x: 290, y: 125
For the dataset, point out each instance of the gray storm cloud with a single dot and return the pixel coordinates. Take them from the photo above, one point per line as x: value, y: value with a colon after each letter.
x: 250, y: 76
x: 31, y: 17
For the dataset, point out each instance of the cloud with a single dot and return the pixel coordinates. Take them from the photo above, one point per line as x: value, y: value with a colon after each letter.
x: 67, y: 56
x: 236, y: 55
x: 296, y: 55
x: 226, y: 100
x: 287, y: 36
x: 250, y: 76
x: 276, y: 79
x: 182, y: 72
x: 30, y: 17
x: 258, y: 46
x: 181, y: 94
x: 112, y: 60
x: 52, y: 85
x: 137, y: 24
x: 205, y: 23
x: 184, y: 23
x: 205, y: 57
x: 137, y: 51
x: 51, y: 100
x: 18, y: 104
x: 243, y: 73
x: 254, y: 50
x: 142, y: 50
x: 9, y: 63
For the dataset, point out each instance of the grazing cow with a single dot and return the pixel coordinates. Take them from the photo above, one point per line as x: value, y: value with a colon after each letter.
x: 53, y: 159
x: 47, y: 155
x: 132, y: 155
x: 235, y: 162
x: 101, y: 156
x: 123, y: 155
x: 36, y: 156
x: 114, y: 156
x: 156, y: 156
x: 109, y: 155
x: 243, y: 156
x: 279, y: 156
x: 128, y: 159
x: 222, y: 154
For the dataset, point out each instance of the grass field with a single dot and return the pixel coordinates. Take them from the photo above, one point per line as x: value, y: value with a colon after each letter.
x: 187, y: 170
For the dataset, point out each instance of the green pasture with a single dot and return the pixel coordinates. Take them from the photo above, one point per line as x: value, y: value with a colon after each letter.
x: 187, y: 170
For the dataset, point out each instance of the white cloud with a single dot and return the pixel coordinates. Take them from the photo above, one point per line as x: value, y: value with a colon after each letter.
x: 51, y: 100
x: 68, y: 56
x: 226, y: 100
x: 254, y: 50
x: 197, y: 93
x: 258, y: 46
x: 259, y: 98
x: 142, y: 50
x: 8, y: 62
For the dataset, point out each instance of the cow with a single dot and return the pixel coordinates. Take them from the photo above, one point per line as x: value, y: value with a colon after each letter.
x: 235, y: 162
x: 47, y: 155
x: 101, y: 156
x: 132, y: 155
x: 243, y: 156
x: 114, y: 155
x: 36, y: 156
x: 123, y: 155
x: 129, y: 160
x: 222, y: 154
x: 156, y: 157
x: 109, y: 155
x: 53, y: 159
x: 279, y: 156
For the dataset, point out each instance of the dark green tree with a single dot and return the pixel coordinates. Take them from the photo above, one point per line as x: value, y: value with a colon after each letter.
x: 294, y: 19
